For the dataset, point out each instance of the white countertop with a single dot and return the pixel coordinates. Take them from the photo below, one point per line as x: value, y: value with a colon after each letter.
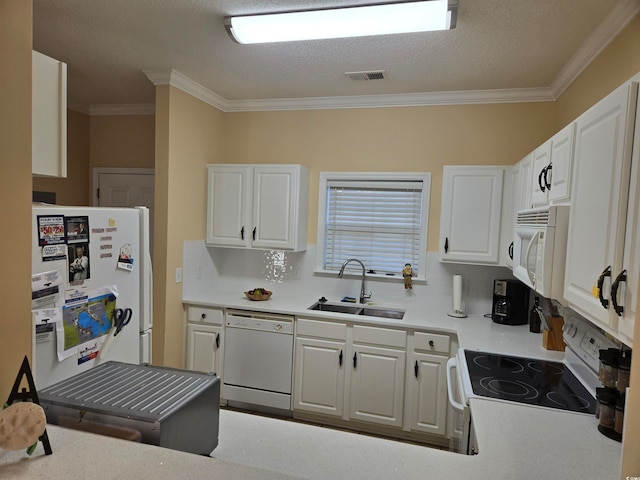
x: 515, y: 441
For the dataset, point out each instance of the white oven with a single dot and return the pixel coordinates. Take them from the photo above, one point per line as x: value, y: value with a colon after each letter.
x: 539, y: 251
x: 569, y: 386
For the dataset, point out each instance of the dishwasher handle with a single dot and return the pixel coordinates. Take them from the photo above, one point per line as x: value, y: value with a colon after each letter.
x: 451, y: 365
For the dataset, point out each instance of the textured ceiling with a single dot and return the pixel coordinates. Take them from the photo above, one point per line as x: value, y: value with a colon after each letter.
x: 497, y: 45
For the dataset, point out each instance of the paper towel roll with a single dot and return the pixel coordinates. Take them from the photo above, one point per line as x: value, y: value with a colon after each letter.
x: 457, y: 293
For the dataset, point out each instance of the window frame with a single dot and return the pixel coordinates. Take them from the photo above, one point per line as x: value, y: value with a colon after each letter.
x: 326, y: 177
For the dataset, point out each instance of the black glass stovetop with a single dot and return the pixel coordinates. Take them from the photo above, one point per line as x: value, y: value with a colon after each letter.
x: 536, y: 382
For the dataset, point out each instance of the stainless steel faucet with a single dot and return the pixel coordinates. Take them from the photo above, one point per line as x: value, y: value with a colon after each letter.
x: 363, y: 296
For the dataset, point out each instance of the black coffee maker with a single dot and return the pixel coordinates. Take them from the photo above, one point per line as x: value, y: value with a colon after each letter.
x: 510, y: 302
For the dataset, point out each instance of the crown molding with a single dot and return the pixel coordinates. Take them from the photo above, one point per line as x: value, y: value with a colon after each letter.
x: 603, y: 35
x: 182, y: 82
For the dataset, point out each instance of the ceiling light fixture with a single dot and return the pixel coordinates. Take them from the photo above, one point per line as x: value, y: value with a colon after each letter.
x: 382, y: 19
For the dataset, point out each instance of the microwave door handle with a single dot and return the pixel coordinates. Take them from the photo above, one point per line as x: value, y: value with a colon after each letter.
x: 526, y: 258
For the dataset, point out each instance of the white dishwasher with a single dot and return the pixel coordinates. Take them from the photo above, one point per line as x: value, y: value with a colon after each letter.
x: 258, y: 359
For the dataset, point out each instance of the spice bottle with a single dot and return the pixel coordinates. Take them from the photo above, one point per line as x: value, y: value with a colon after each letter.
x: 534, y: 318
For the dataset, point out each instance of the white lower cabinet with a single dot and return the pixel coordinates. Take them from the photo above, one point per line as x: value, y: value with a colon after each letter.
x: 427, y: 403
x: 204, y: 340
x: 377, y: 384
x: 378, y: 375
x: 319, y: 369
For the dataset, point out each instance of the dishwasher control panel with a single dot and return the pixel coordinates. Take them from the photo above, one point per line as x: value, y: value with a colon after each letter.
x: 260, y: 321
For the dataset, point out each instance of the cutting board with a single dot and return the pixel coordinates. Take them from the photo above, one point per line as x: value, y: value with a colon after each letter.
x: 552, y: 340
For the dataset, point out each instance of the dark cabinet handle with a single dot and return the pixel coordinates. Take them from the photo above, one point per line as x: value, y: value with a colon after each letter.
x: 605, y: 273
x: 511, y: 251
x: 446, y: 244
x: 218, y: 340
x: 622, y: 277
x: 242, y: 233
x: 203, y: 316
x: 416, y: 369
x: 431, y: 344
x: 355, y: 360
x: 547, y: 176
x: 540, y: 184
x: 254, y: 233
x: 340, y: 358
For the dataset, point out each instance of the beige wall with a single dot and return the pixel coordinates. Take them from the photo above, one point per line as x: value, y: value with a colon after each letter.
x: 122, y: 141
x: 74, y: 189
x: 189, y: 135
x: 420, y: 139
x: 618, y: 62
x: 15, y: 188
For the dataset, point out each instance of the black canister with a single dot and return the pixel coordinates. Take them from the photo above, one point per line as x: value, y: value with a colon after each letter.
x: 534, y: 318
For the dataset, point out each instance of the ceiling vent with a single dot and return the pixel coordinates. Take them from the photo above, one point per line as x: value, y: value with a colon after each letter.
x: 373, y: 75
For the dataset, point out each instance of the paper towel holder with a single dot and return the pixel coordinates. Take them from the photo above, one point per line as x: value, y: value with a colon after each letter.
x: 458, y: 304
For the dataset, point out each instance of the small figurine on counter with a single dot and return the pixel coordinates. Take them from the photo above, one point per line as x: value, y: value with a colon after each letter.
x: 406, y: 273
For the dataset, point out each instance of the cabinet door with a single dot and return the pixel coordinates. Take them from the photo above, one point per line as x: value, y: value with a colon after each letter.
x: 275, y: 207
x: 49, y: 116
x: 428, y: 402
x: 204, y: 348
x: 228, y: 201
x: 509, y: 206
x: 599, y: 200
x: 525, y: 183
x: 562, y: 146
x: 319, y: 376
x: 377, y: 385
x: 541, y: 159
x: 470, y: 215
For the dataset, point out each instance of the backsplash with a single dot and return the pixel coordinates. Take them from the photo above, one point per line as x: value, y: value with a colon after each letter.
x: 207, y: 269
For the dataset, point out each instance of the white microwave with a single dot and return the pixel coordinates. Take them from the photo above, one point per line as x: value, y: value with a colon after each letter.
x: 539, y: 249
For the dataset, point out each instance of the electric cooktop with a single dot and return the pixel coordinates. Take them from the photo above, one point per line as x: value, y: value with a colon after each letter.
x: 536, y: 382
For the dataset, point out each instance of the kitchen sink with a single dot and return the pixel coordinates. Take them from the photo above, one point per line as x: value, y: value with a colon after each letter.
x: 382, y: 312
x: 336, y: 307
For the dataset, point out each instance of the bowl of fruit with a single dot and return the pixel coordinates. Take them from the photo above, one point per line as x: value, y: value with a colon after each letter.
x: 258, y: 294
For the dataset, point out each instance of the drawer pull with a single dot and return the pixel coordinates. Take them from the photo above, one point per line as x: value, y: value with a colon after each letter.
x: 218, y: 340
x: 416, y: 368
x: 340, y: 358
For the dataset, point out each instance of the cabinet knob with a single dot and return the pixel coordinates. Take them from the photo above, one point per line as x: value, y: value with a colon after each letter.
x: 431, y: 344
x: 203, y: 316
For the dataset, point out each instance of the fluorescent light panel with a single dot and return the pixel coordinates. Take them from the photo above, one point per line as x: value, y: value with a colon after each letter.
x: 381, y: 19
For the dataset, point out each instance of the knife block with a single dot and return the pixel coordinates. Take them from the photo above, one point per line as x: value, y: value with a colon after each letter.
x: 552, y: 340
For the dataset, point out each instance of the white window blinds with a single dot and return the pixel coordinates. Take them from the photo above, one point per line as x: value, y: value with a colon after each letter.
x: 377, y: 222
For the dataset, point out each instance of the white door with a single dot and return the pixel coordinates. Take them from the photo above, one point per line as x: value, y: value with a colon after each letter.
x: 377, y: 385
x: 228, y: 204
x: 429, y: 393
x: 203, y: 348
x: 319, y: 376
x: 562, y: 147
x: 273, y: 207
x: 470, y: 215
x: 599, y: 201
x: 540, y: 179
x: 126, y: 187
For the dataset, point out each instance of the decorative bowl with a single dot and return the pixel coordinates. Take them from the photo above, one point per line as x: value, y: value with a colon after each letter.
x: 258, y: 294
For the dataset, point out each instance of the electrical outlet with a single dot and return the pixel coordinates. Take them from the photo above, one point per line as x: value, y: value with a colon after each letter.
x: 179, y: 275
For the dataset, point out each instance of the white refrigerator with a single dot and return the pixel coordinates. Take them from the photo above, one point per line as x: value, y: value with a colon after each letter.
x: 88, y: 265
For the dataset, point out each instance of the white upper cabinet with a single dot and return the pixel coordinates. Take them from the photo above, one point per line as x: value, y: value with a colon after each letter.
x: 523, y: 196
x: 552, y: 163
x: 49, y: 116
x: 600, y: 214
x: 257, y: 206
x: 471, y: 213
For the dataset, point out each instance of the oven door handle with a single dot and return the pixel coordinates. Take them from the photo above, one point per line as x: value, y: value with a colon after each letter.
x: 451, y: 365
